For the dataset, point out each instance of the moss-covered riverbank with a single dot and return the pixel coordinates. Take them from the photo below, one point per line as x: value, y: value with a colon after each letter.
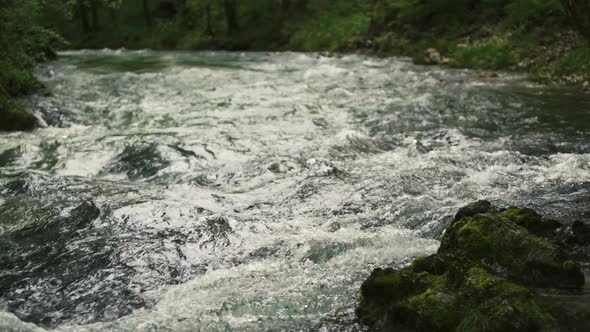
x: 490, y: 274
x: 537, y: 37
x: 23, y: 43
x: 15, y: 118
x: 553, y: 54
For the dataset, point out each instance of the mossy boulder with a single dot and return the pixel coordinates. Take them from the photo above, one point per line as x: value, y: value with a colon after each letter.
x: 14, y: 118
x: 448, y: 293
x: 497, y: 241
x: 532, y: 221
x: 485, y: 277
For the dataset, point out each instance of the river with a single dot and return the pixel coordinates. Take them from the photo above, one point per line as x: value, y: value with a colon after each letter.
x: 219, y: 191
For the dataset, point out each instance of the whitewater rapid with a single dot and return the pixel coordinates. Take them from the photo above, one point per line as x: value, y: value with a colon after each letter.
x: 219, y: 191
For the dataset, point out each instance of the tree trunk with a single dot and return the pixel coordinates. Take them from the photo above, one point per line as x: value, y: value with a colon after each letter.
x: 147, y: 13
x: 578, y: 11
x: 83, y: 13
x: 301, y: 5
x: 280, y: 11
x: 208, y: 18
x: 281, y: 7
x: 180, y: 10
x: 94, y: 11
x: 229, y: 7
x: 285, y: 6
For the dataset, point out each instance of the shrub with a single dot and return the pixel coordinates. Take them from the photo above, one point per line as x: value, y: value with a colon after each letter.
x: 576, y: 61
x: 334, y: 26
x: 445, y: 13
x: 526, y: 12
x: 165, y: 35
x: 391, y: 43
x: 495, y: 54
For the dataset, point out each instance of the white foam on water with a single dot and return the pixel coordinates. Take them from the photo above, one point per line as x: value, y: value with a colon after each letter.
x: 287, y: 177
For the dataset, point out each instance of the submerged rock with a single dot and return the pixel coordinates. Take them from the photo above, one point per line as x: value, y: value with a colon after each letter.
x: 481, y: 278
x: 50, y: 271
x: 138, y: 161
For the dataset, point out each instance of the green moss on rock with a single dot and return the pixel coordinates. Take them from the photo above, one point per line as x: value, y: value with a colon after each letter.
x: 474, y: 300
x: 440, y: 308
x: 532, y: 221
x: 14, y: 118
x: 498, y: 241
x: 501, y: 305
x: 478, y: 280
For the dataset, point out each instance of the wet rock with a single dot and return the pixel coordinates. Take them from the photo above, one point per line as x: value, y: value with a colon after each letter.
x: 532, y: 221
x: 264, y: 252
x: 214, y: 232
x: 320, y: 122
x: 51, y: 276
x: 511, y: 250
x: 334, y: 227
x: 488, y: 75
x: 487, y: 275
x: 473, y: 209
x: 49, y: 152
x: 580, y: 233
x: 571, y: 312
x: 347, y: 208
x: 84, y: 214
x: 576, y: 238
x: 447, y: 295
x: 319, y: 252
x: 138, y: 161
x: 9, y: 156
x: 431, y: 56
x: 49, y: 53
x: 275, y: 168
x: 16, y: 187
x: 13, y: 118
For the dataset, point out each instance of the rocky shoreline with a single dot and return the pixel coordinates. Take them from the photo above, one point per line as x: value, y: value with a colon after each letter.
x: 497, y: 269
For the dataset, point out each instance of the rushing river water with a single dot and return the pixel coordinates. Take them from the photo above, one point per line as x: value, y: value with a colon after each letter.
x: 219, y: 191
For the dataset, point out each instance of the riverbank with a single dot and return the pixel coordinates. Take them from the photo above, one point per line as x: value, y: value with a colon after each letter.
x: 529, y: 37
x: 23, y: 44
x: 554, y: 56
x: 526, y: 36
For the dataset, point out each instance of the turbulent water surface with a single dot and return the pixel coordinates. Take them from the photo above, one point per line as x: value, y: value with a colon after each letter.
x: 255, y: 191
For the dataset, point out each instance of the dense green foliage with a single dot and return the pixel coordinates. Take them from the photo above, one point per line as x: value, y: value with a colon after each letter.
x: 482, y: 34
x: 197, y: 24
x: 22, y: 43
x: 576, y: 61
x: 286, y: 24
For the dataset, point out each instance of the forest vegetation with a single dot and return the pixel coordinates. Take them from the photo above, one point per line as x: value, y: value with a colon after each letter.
x: 547, y: 38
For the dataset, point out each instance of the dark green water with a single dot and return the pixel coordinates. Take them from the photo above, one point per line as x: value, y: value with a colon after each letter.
x: 220, y: 191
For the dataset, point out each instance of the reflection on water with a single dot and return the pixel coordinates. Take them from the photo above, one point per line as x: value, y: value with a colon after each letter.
x: 178, y: 191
